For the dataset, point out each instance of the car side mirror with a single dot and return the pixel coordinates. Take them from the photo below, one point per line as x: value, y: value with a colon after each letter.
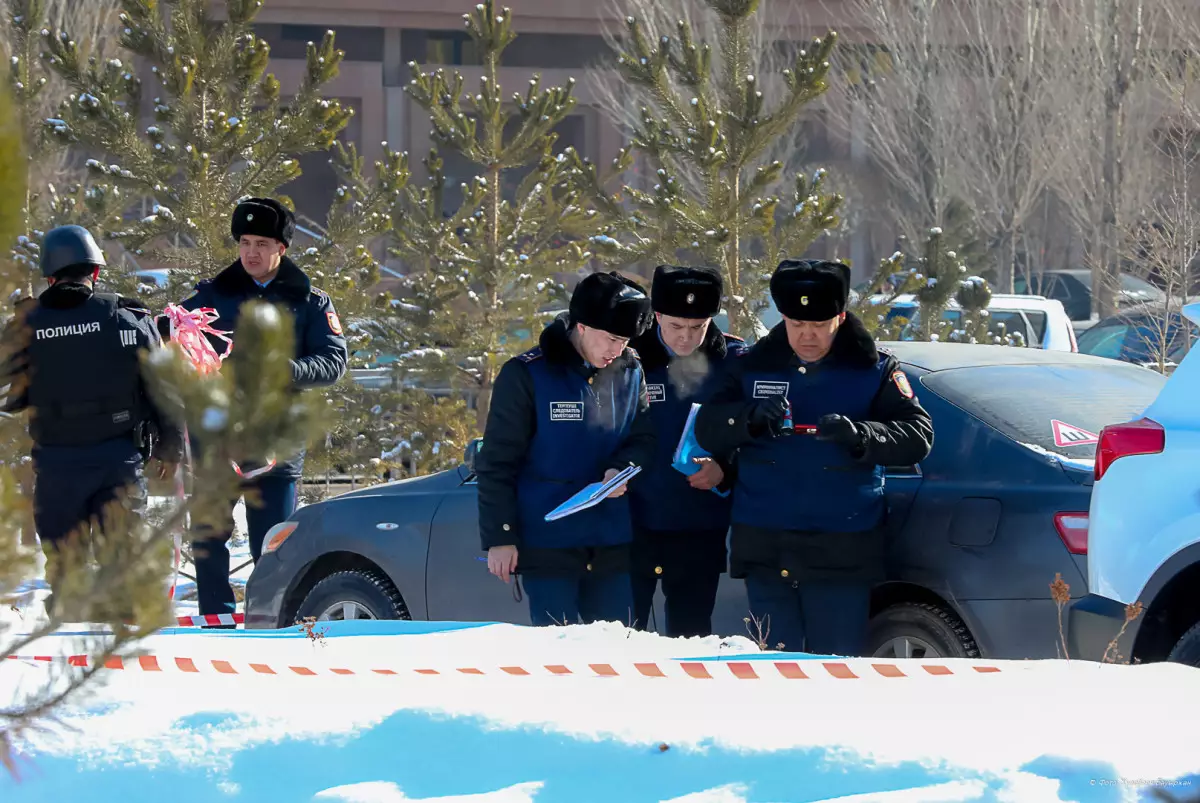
x: 470, y: 453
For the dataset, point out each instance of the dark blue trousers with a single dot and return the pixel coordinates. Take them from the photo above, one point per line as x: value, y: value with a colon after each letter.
x: 210, y: 549
x: 73, y: 489
x: 689, y: 599
x: 566, y: 599
x: 825, y: 618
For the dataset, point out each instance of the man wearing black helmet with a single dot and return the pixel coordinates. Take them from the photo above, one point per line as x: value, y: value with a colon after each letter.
x: 72, y: 361
x: 263, y: 229
x: 568, y: 413
x: 809, y: 506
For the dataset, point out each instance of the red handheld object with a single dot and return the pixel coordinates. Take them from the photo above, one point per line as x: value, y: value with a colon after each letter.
x: 805, y: 429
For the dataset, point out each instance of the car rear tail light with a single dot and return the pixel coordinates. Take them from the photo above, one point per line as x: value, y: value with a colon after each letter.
x: 1142, y: 436
x: 1073, y: 530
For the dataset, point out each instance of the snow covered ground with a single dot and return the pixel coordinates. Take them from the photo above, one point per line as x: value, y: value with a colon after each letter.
x: 383, y: 712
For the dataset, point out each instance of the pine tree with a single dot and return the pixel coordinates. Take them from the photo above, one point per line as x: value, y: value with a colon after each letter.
x: 939, y: 278
x: 482, y: 274
x: 221, y: 131
x: 54, y: 194
x: 710, y: 116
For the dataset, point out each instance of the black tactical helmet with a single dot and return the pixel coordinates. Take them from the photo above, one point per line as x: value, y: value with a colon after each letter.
x: 68, y: 246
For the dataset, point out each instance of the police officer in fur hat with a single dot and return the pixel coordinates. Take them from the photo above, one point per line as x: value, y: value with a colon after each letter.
x: 571, y: 412
x: 72, y: 360
x: 809, y: 509
x: 263, y: 229
x: 681, y: 521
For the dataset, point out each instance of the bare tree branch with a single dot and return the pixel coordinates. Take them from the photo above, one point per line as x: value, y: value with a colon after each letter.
x: 1109, y: 107
x: 895, y: 97
x: 1009, y: 140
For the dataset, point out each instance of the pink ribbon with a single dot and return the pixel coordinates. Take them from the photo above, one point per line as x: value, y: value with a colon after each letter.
x: 189, y: 329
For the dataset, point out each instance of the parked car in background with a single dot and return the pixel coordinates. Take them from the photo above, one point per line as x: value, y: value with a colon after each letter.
x: 1141, y: 335
x: 1041, y: 322
x: 977, y: 531
x: 1145, y: 531
x: 1074, y: 289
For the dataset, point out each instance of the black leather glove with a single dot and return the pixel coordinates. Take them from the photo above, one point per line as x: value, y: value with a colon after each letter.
x: 766, y: 416
x: 840, y: 430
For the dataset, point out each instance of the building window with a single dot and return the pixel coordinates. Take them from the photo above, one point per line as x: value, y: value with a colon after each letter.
x: 290, y: 41
x: 445, y: 47
x: 302, y: 33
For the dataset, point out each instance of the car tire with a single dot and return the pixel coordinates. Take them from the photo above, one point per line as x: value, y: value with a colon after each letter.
x: 919, y: 630
x: 357, y: 591
x: 1187, y: 650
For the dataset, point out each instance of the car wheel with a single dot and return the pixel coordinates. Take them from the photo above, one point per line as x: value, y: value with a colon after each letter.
x: 355, y: 594
x: 919, y: 630
x: 1187, y: 650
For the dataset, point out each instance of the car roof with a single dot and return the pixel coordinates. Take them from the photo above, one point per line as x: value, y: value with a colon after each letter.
x: 1001, y: 301
x: 948, y: 356
x: 1152, y: 309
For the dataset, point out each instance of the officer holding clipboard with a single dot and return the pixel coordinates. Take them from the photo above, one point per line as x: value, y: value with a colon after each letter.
x: 569, y: 413
x: 681, y: 521
x: 809, y: 509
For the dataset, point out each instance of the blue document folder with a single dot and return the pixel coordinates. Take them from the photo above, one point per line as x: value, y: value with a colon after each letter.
x: 592, y: 495
x: 689, y: 448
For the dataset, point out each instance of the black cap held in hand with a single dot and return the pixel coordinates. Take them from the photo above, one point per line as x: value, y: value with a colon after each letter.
x: 810, y: 289
x: 263, y: 217
x: 685, y: 292
x: 611, y: 303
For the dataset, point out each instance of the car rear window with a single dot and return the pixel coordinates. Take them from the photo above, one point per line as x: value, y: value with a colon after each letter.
x: 1024, y: 402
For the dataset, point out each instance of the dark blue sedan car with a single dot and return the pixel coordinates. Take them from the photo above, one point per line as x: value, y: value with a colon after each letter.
x: 977, y: 532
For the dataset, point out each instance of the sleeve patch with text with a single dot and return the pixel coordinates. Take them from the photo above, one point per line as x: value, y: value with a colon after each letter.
x: 901, y: 381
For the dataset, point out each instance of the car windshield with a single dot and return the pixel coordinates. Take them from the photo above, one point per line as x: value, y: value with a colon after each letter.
x: 1104, y: 340
x: 1024, y: 402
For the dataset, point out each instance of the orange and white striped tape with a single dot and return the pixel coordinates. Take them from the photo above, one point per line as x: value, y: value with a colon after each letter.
x: 696, y: 670
x: 209, y: 619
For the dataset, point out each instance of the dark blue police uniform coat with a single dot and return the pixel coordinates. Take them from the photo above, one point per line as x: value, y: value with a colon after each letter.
x: 554, y: 426
x: 809, y: 514
x: 320, y: 360
x: 680, y: 532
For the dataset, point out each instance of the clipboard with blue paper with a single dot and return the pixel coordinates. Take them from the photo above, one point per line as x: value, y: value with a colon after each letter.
x: 592, y: 494
x: 689, y: 449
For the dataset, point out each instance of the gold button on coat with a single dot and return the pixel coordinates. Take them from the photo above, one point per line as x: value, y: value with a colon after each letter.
x: 589, y: 567
x: 658, y: 569
x: 783, y: 573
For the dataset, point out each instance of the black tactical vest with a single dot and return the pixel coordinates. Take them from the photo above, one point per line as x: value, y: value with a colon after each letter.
x: 83, y: 373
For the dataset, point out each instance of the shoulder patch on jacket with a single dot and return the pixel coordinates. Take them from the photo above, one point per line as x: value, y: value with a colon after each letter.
x: 335, y: 323
x: 900, y: 379
x: 531, y: 355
